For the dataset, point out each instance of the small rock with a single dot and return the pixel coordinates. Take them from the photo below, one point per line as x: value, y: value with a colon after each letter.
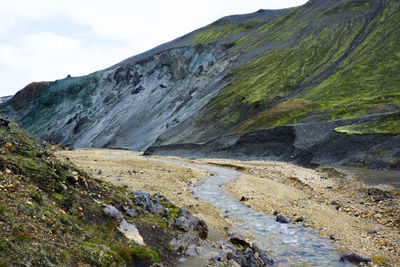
x: 370, y: 232
x: 4, y: 122
x: 222, y: 256
x: 130, y: 212
x: 200, y: 250
x: 334, y: 202
x: 300, y: 219
x: 370, y: 191
x: 191, y: 250
x: 332, y: 236
x: 238, y: 239
x: 182, y: 259
x: 243, y: 198
x: 64, y: 187
x: 233, y: 263
x: 112, y: 212
x: 276, y: 212
x: 100, y: 172
x: 387, y: 196
x: 355, y: 259
x: 283, y: 219
x: 8, y: 145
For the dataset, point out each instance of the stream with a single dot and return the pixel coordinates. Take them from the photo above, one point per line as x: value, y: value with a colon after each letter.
x: 289, y: 244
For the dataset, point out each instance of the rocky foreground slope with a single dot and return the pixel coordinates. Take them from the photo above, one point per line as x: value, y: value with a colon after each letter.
x: 52, y: 213
x: 327, y: 70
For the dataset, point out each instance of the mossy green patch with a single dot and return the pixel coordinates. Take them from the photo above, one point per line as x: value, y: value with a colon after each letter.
x: 389, y: 124
x: 129, y: 255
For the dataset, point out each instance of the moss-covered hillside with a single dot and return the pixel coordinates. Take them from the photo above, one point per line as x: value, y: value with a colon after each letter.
x: 51, y: 213
x: 325, y: 60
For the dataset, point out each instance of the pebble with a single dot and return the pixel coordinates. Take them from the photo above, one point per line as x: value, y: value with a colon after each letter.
x: 300, y: 219
x: 283, y: 219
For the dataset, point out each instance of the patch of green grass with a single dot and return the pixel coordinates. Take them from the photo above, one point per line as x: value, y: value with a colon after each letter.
x: 2, y: 210
x: 37, y: 197
x: 385, y: 125
x: 137, y: 252
x: 225, y: 30
x: 174, y: 211
x: 3, y: 246
x: 60, y: 199
x: 349, y: 6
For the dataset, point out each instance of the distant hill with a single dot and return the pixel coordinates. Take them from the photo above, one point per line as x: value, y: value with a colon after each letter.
x: 5, y: 98
x: 329, y: 68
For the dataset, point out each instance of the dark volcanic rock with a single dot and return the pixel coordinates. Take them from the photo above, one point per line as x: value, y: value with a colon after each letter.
x: 354, y: 258
x: 283, y: 219
x: 238, y: 239
x: 4, y: 122
x: 248, y: 256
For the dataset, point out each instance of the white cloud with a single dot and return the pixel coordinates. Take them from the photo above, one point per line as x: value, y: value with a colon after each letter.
x: 48, y: 39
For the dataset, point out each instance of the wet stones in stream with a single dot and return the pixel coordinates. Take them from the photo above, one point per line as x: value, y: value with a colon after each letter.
x: 239, y: 252
x: 192, y: 241
x: 283, y: 219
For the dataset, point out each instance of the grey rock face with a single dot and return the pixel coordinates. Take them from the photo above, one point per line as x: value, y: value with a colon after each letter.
x: 132, y: 103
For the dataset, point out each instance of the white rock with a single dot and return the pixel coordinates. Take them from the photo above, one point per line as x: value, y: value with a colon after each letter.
x: 131, y: 232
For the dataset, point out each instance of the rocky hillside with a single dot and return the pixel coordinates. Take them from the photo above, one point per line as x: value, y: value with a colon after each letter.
x: 52, y: 213
x: 329, y: 69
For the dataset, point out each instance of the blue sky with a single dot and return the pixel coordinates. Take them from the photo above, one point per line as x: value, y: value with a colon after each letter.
x: 44, y: 40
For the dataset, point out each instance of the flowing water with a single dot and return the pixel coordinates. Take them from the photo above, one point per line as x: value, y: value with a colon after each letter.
x: 289, y: 244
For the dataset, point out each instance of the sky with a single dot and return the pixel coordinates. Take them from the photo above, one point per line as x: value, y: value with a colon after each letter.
x: 45, y: 40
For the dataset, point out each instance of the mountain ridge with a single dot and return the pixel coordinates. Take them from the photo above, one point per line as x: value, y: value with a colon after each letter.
x: 320, y: 62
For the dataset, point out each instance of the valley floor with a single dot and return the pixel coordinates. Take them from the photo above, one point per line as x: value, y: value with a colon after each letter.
x: 362, y: 219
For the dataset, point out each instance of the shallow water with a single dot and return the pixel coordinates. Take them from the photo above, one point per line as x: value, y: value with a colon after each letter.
x: 290, y: 244
x: 115, y: 156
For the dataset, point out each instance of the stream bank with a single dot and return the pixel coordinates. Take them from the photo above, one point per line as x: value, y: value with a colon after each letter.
x: 268, y: 186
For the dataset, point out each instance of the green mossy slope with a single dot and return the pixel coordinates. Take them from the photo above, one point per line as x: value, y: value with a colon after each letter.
x: 340, y: 60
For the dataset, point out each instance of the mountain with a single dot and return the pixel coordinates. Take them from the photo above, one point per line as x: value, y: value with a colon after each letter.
x: 5, y: 98
x: 325, y: 75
